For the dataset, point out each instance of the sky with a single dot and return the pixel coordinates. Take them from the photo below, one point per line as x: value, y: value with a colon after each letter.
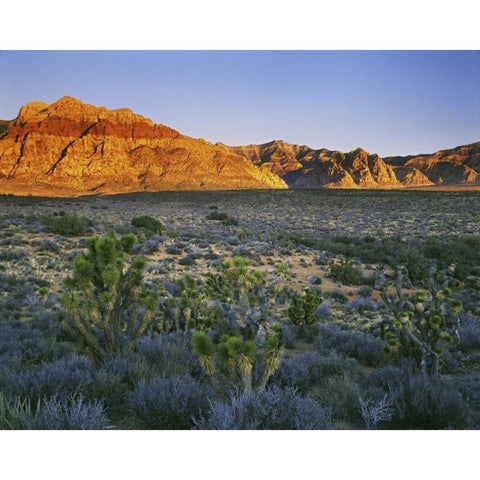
x: 387, y: 102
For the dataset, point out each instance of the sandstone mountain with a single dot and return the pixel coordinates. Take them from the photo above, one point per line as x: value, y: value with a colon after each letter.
x: 71, y: 148
x: 3, y: 125
x: 303, y: 167
x: 455, y: 166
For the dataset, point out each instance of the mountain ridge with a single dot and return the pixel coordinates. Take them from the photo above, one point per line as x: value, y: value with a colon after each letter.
x: 305, y: 167
x: 70, y: 148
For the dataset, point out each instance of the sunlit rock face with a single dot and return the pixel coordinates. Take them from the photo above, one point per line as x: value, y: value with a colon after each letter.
x: 303, y: 167
x: 71, y: 148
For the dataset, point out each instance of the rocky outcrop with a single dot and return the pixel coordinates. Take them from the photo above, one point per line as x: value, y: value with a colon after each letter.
x: 71, y: 148
x: 455, y: 166
x: 3, y: 126
x: 303, y: 167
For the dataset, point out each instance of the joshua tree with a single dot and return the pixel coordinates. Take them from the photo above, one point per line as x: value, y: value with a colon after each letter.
x: 303, y: 307
x: 236, y: 282
x: 421, y: 321
x: 107, y: 302
x: 242, y: 294
x: 232, y: 360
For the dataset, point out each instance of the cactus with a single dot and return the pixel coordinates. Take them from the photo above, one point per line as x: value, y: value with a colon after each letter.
x: 107, y: 301
x: 421, y: 321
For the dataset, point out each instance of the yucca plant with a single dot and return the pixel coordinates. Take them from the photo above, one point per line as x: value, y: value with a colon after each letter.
x: 236, y: 282
x: 274, y: 351
x: 107, y: 302
x: 203, y: 346
x: 16, y: 414
x: 232, y: 359
x: 303, y: 306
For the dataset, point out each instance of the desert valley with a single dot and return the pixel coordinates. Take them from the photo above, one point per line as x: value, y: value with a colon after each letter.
x: 151, y: 280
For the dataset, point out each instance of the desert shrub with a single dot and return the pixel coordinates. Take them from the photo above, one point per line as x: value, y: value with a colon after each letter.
x: 12, y: 254
x: 377, y: 382
x: 376, y: 411
x: 337, y: 295
x: 169, y: 354
x: 69, y: 413
x: 174, y: 250
x: 71, y: 225
x: 362, y: 305
x: 66, y: 376
x: 365, y: 291
x: 324, y: 311
x: 341, y: 394
x: 311, y: 369
x: 189, y: 260
x: 469, y: 333
x: 149, y: 224
x: 423, y: 402
x: 347, y: 273
x: 289, y: 333
x: 222, y: 217
x: 469, y: 388
x: 27, y: 347
x: 113, y: 381
x: 364, y: 347
x: 169, y: 403
x: 148, y: 247
x: 46, y: 245
x: 419, y: 401
x: 271, y: 409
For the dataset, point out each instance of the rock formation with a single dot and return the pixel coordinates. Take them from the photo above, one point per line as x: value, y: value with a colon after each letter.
x: 455, y: 166
x: 303, y: 167
x: 71, y: 148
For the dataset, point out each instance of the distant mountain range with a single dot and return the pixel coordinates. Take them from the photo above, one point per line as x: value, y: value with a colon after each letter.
x: 69, y: 148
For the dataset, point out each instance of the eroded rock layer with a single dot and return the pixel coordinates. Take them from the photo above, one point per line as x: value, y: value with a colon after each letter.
x: 71, y: 148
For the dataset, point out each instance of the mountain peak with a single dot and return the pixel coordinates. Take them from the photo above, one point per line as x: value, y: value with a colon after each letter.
x: 67, y: 99
x: 69, y: 148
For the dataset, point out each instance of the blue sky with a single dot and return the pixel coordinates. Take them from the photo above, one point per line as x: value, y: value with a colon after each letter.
x: 389, y: 102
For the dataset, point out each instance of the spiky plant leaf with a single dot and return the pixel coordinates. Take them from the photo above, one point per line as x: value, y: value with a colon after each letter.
x: 202, y: 344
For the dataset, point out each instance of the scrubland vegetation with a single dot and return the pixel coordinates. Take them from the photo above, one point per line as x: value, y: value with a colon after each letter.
x: 241, y: 310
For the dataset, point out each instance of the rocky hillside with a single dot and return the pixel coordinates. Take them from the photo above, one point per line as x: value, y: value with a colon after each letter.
x: 303, y: 167
x: 71, y: 148
x: 455, y: 166
x: 3, y: 126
